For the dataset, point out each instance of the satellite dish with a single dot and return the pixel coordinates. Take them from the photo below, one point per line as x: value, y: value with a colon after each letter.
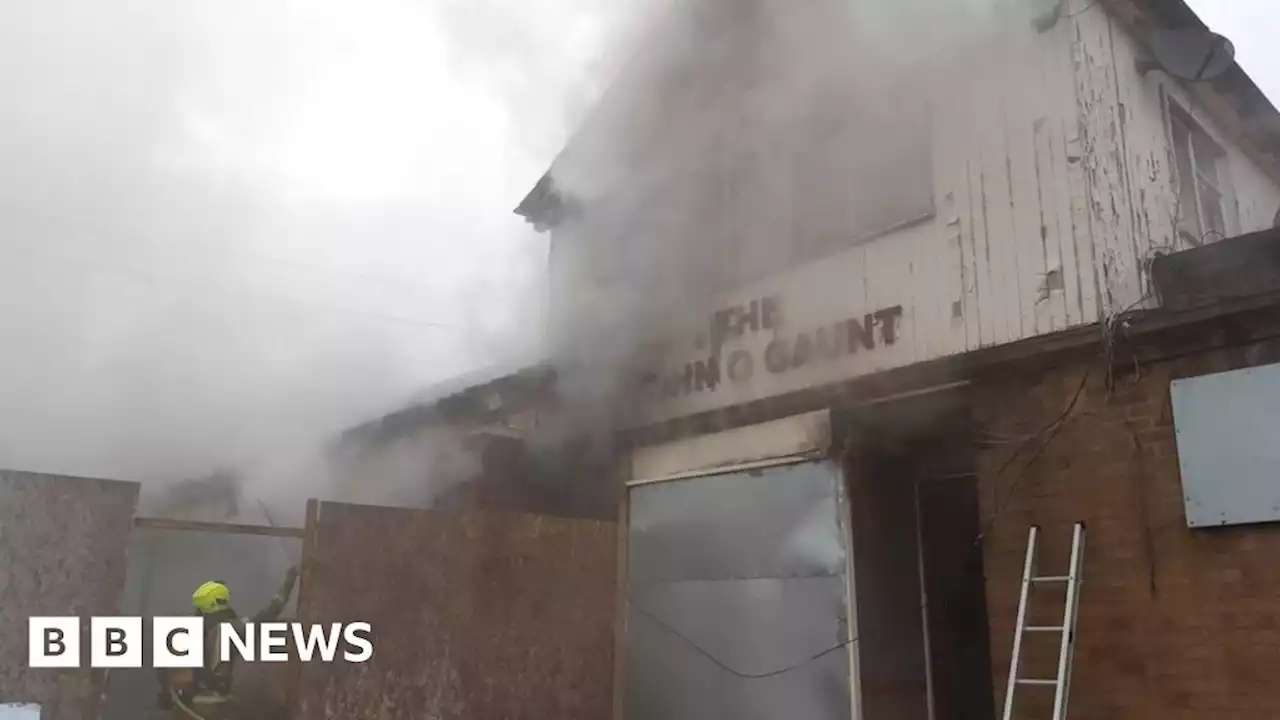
x: 1191, y: 53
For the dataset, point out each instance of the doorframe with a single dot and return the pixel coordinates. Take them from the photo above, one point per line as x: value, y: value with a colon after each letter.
x: 819, y: 454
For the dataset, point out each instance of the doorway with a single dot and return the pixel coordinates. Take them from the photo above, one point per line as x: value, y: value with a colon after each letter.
x: 844, y: 581
x: 921, y: 600
x: 738, y: 596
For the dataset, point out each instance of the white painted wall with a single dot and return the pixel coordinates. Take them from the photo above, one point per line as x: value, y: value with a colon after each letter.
x: 1125, y: 118
x: 1052, y: 190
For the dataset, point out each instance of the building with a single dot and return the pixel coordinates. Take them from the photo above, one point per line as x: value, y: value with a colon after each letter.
x: 862, y: 294
x: 497, y: 439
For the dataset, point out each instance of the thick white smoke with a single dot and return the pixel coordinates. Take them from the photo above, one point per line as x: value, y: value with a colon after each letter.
x: 232, y: 230
x: 719, y: 153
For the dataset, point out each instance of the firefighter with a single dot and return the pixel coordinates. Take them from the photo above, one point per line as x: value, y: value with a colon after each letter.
x: 204, y: 693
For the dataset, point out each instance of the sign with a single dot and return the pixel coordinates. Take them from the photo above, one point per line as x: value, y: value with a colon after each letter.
x: 19, y: 711
x: 727, y: 361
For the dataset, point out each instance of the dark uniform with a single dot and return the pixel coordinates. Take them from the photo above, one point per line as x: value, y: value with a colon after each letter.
x: 204, y: 693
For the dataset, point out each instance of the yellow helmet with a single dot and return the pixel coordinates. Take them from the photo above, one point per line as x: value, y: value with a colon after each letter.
x: 211, y: 597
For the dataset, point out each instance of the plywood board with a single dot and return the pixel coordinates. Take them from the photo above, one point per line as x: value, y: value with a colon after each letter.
x: 63, y: 551
x: 473, y: 616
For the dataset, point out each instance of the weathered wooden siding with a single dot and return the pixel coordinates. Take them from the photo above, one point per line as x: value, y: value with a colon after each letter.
x: 1008, y: 254
x: 1053, y: 191
x: 1016, y: 176
x: 1126, y: 133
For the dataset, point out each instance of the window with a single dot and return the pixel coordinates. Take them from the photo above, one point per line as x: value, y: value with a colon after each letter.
x: 862, y: 163
x: 1200, y: 174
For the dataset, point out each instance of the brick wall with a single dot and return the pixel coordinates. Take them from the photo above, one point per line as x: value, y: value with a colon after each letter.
x: 1173, y: 623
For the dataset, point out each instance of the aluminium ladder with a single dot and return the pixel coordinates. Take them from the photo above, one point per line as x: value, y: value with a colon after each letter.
x: 1067, y: 630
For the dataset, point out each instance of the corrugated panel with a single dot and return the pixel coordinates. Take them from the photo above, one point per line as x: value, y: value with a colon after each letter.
x: 63, y: 551
x: 1227, y: 446
x: 474, y: 616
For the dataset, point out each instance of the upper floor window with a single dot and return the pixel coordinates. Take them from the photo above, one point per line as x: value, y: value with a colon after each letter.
x: 1201, y: 180
x: 862, y: 163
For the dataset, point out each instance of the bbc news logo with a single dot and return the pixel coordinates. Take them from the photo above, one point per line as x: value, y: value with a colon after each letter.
x: 179, y: 642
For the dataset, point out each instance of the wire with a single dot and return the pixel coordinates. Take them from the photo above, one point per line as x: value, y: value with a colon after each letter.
x: 1113, y: 322
x: 154, y: 279
x: 177, y: 701
x: 723, y: 666
x: 998, y: 439
x: 1078, y: 11
x: 1052, y: 429
x: 1059, y: 13
x: 68, y: 223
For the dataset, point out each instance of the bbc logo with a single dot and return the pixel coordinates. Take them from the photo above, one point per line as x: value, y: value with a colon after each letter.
x: 179, y: 642
x: 115, y: 642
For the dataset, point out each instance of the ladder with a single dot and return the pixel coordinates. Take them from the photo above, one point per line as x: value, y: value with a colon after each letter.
x: 1067, y: 630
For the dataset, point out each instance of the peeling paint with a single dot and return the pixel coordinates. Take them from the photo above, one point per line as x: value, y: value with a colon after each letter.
x: 1132, y: 168
x: 1053, y: 180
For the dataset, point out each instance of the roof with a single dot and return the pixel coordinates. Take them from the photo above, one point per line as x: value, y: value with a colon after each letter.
x: 1259, y: 124
x: 544, y: 206
x: 469, y: 395
x: 1259, y: 120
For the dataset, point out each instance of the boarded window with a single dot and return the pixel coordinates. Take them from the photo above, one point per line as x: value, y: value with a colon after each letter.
x: 861, y: 165
x: 1227, y: 446
x: 753, y: 136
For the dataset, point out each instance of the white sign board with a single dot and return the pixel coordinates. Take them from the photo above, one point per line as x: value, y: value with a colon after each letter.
x: 1228, y: 446
x: 758, y: 346
x: 19, y: 711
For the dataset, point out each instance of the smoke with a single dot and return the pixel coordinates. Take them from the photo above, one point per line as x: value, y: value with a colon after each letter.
x: 746, y: 136
x: 233, y: 229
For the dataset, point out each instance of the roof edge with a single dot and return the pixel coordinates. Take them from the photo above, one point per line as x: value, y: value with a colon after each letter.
x: 470, y: 399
